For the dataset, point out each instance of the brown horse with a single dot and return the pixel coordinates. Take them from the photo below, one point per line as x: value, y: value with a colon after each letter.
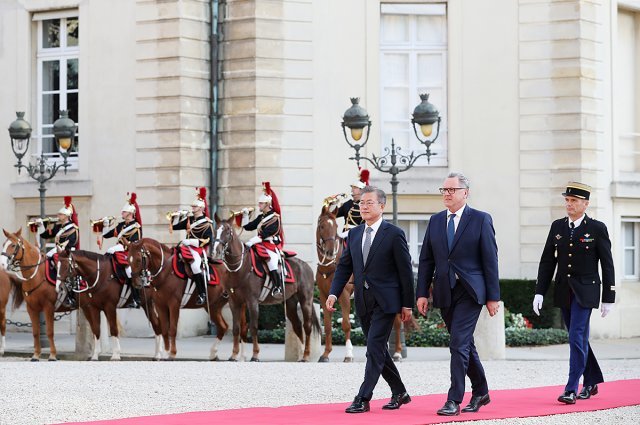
x: 5, y: 290
x: 102, y: 292
x: 152, y: 269
x: 28, y: 264
x: 329, y: 249
x: 245, y: 288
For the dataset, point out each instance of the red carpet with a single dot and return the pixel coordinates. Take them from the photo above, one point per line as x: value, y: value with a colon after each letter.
x: 539, y: 401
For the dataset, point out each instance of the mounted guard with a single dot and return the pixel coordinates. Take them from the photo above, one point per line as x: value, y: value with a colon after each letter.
x: 64, y: 231
x: 270, y: 236
x: 350, y: 210
x: 199, y: 229
x: 126, y: 231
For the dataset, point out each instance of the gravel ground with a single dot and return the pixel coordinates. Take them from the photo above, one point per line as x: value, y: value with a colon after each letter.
x: 37, y: 393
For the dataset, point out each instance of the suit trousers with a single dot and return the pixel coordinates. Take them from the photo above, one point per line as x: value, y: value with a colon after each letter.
x: 582, y: 361
x: 377, y: 326
x: 461, y: 318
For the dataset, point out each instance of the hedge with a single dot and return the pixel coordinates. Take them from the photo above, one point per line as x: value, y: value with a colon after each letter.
x: 517, y: 296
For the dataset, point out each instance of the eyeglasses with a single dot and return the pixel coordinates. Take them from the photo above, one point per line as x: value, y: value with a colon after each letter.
x: 368, y: 203
x: 450, y: 190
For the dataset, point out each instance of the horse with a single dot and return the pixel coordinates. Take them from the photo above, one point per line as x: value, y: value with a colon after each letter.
x: 24, y: 258
x: 152, y: 269
x: 101, y: 291
x: 5, y: 290
x: 329, y: 249
x: 245, y: 288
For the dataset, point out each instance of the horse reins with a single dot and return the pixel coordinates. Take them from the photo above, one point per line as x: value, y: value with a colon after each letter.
x: 16, y: 267
x: 333, y: 257
x: 225, y: 250
x: 73, y: 266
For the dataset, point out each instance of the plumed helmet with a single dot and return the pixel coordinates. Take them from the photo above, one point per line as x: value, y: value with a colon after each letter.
x: 363, y: 179
x: 131, y: 206
x: 201, y: 200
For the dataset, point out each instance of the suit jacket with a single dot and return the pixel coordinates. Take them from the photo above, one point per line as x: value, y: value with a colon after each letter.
x: 473, y: 257
x: 577, y: 264
x: 388, y: 269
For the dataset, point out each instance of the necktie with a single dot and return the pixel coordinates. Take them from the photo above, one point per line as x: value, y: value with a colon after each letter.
x: 572, y: 226
x: 367, y: 244
x: 451, y: 230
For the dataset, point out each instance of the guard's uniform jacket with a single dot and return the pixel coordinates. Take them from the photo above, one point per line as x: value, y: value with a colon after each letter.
x: 268, y: 227
x: 65, y: 236
x: 200, y: 228
x: 350, y: 211
x: 577, y: 264
x: 125, y: 232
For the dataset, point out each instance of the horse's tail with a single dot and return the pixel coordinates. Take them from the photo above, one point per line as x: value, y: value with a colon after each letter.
x: 315, y: 322
x: 16, y: 286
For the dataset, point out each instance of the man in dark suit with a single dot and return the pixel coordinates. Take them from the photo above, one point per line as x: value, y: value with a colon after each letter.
x: 378, y: 257
x: 459, y: 258
x: 575, y: 245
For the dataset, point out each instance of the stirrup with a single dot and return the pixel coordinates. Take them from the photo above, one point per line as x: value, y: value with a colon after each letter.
x: 201, y: 300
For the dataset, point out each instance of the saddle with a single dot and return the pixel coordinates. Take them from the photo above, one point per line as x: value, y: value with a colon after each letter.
x: 119, y: 262
x: 259, y: 257
x: 181, y: 260
x: 51, y: 269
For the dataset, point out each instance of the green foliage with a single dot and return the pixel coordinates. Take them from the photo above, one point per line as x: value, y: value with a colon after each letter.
x: 518, y: 298
x: 271, y: 317
x: 522, y: 337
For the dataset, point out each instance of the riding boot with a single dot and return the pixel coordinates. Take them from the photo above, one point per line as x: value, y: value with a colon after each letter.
x: 200, y: 286
x: 276, y: 278
x: 135, y: 296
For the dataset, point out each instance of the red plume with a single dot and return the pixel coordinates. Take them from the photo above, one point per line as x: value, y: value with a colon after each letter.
x: 202, y: 194
x: 133, y: 200
x: 275, y: 204
x: 364, y: 176
x: 67, y: 201
x: 74, y: 216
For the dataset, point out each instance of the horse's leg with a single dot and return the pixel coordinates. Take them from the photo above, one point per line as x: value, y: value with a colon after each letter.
x: 254, y: 314
x: 35, y: 330
x: 296, y: 324
x: 112, y: 320
x: 93, y: 317
x: 50, y: 322
x: 152, y: 314
x: 174, y: 315
x: 215, y: 312
x: 345, y: 305
x: 237, y: 311
x: 162, y: 313
x: 397, y: 327
x: 328, y: 342
x: 307, y: 319
x: 3, y: 325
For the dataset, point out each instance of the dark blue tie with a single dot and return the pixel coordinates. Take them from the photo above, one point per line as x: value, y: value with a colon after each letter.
x: 451, y: 230
x: 572, y: 226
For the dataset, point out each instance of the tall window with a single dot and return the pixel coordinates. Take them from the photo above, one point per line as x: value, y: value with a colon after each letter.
x: 414, y: 226
x: 413, y: 53
x: 57, y: 75
x: 630, y: 248
x: 627, y: 93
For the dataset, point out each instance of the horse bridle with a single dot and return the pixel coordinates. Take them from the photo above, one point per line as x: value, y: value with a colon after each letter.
x: 145, y: 274
x: 327, y: 258
x: 14, y: 264
x: 74, y: 282
x: 225, y: 251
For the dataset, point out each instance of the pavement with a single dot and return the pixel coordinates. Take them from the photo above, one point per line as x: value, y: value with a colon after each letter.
x: 197, y: 348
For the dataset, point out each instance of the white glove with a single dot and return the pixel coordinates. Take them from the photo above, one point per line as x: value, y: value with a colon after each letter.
x: 537, y: 304
x: 191, y: 242
x: 39, y: 221
x: 333, y: 207
x: 605, y: 308
x: 245, y: 211
x: 105, y: 222
x: 57, y: 286
x: 343, y: 235
x: 254, y: 240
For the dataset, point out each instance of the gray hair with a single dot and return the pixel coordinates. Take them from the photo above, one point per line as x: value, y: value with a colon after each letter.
x: 464, y: 181
x: 382, y: 197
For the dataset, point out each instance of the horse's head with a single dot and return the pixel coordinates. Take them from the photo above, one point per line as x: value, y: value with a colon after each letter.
x: 327, y: 241
x: 12, y: 250
x: 68, y: 271
x: 224, y: 234
x: 139, y: 257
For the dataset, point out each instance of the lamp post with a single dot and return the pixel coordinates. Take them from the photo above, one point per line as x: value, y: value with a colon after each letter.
x: 64, y: 130
x: 394, y: 161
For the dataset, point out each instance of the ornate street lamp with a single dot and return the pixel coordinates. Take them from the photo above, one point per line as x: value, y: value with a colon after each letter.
x: 393, y: 162
x: 64, y: 130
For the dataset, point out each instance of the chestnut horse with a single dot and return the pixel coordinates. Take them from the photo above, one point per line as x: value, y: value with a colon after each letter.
x: 103, y: 292
x: 5, y: 290
x: 329, y: 248
x: 152, y: 269
x: 245, y: 287
x: 28, y: 264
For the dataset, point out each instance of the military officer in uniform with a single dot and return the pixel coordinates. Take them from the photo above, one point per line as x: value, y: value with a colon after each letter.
x: 127, y: 231
x: 199, y: 229
x: 66, y: 235
x: 269, y: 226
x: 350, y: 210
x: 574, y: 247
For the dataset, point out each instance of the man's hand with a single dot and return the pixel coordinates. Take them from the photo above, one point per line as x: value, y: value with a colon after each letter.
x: 537, y: 304
x: 331, y: 300
x: 423, y: 305
x: 492, y: 307
x: 605, y: 309
x: 406, y: 314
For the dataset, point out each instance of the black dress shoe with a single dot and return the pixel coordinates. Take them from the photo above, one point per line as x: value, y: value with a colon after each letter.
x: 450, y: 408
x: 359, y: 405
x: 397, y: 400
x: 567, y: 397
x: 476, y: 403
x: 588, y: 391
